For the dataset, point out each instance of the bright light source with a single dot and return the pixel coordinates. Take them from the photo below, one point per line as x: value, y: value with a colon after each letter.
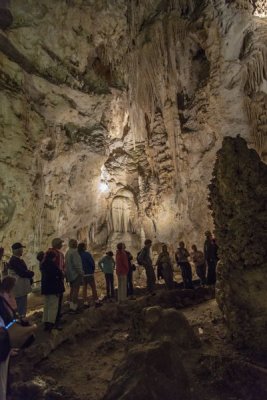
x: 103, y: 187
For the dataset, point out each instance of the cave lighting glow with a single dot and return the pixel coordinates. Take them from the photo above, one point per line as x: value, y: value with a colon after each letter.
x: 103, y: 187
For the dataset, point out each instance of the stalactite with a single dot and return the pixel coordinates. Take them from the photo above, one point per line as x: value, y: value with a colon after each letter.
x: 152, y: 67
x: 254, y: 73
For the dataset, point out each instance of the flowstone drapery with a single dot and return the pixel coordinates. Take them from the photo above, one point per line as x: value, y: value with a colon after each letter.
x: 238, y: 199
x: 133, y: 95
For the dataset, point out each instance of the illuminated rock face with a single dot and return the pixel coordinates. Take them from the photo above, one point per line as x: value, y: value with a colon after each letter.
x: 112, y: 113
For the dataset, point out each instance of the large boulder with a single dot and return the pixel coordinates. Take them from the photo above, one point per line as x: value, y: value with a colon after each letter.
x: 152, y: 371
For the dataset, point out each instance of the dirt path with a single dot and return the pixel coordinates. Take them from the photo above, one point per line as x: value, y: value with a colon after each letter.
x: 86, y: 366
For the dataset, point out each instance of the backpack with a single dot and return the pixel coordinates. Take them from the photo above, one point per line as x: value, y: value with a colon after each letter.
x: 139, y: 257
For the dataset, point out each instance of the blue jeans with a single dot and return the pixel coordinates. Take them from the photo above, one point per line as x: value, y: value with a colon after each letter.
x: 22, y: 305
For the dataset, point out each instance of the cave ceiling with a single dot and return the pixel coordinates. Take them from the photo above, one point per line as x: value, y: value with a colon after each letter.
x: 112, y: 113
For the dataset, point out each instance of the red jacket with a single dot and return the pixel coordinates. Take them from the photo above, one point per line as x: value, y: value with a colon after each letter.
x: 122, y: 265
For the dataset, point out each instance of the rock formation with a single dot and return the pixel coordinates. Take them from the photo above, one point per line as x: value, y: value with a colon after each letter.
x: 238, y: 197
x: 112, y: 113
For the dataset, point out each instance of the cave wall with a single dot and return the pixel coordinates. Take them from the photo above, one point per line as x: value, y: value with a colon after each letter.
x: 130, y: 95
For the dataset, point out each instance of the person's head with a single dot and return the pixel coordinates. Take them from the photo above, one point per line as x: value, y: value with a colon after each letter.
x: 40, y: 256
x: 109, y: 253
x: 1, y: 252
x: 208, y: 234
x: 148, y: 243
x: 57, y: 243
x: 120, y: 246
x: 81, y: 247
x: 7, y: 284
x: 164, y: 248
x: 181, y: 244
x: 17, y: 249
x: 194, y: 247
x: 73, y: 244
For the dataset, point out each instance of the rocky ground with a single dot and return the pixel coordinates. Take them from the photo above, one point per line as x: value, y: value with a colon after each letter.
x: 170, y: 346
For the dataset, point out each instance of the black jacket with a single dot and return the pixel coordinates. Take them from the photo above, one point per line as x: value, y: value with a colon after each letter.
x: 52, y: 281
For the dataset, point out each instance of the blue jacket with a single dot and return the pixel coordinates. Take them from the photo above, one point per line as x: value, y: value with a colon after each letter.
x: 87, y: 262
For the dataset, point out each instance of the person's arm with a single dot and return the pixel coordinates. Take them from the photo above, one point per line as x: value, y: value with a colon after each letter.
x: 20, y: 268
x: 100, y: 264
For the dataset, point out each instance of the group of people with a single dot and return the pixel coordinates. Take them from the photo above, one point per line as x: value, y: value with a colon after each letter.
x: 205, y: 264
x: 77, y: 267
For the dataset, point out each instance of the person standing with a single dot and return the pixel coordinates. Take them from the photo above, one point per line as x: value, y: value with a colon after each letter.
x: 24, y: 278
x: 56, y: 246
x: 198, y: 259
x: 74, y: 273
x: 122, y: 268
x: 211, y: 257
x: 130, y: 273
x: 52, y: 287
x: 107, y: 265
x: 181, y: 257
x: 164, y: 264
x: 88, y: 264
x: 144, y: 259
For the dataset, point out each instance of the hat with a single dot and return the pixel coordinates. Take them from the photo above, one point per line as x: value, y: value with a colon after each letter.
x: 17, y: 246
x: 57, y: 242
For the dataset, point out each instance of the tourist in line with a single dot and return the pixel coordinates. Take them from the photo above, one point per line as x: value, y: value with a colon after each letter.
x: 144, y: 259
x: 74, y: 273
x: 211, y: 257
x: 181, y: 257
x: 130, y: 290
x: 122, y: 268
x: 199, y: 261
x: 88, y: 264
x: 56, y: 246
x: 52, y: 287
x: 107, y: 265
x: 24, y: 278
x: 165, y: 265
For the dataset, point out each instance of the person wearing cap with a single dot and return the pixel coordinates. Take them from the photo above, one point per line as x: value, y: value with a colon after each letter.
x: 18, y: 268
x: 59, y: 260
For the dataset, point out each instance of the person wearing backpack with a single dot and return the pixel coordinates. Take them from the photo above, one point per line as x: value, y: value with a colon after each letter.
x: 144, y: 259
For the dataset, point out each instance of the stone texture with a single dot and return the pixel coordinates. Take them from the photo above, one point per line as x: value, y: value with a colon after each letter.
x: 151, y: 371
x: 238, y: 197
x: 112, y: 114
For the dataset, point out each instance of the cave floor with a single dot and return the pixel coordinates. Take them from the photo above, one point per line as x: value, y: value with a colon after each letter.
x: 82, y: 366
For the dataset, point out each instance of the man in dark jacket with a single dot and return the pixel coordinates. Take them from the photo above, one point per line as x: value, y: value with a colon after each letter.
x: 88, y: 264
x: 52, y: 287
x: 56, y: 246
x: 20, y: 271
